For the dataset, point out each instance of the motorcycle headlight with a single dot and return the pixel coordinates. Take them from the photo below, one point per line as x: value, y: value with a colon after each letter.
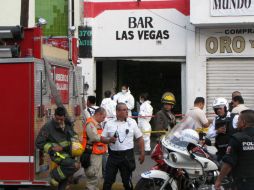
x: 173, y: 157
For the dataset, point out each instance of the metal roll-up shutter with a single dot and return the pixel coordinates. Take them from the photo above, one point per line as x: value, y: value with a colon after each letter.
x: 227, y: 75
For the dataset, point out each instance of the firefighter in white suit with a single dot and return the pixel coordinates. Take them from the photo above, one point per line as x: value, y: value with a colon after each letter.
x: 145, y: 115
x: 125, y: 97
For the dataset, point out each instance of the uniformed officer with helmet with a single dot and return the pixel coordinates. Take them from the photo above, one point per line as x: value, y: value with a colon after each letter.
x: 223, y: 126
x: 240, y: 153
x: 165, y: 119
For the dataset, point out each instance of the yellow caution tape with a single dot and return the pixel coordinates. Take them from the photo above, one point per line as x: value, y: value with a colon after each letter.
x: 203, y: 130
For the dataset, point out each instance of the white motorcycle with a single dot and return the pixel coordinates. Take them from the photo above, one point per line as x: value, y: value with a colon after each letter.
x: 186, y: 164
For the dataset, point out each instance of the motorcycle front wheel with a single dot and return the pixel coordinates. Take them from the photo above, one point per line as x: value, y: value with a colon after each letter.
x: 151, y: 184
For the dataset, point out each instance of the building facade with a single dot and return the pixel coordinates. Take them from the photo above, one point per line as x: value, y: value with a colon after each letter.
x: 182, y: 46
x: 225, y: 47
x: 141, y: 43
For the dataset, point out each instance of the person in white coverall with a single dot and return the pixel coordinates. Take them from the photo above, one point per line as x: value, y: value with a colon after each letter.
x: 145, y: 113
x: 125, y: 97
x: 109, y: 105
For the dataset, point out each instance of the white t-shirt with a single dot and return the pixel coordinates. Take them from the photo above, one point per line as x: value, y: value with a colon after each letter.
x: 239, y: 108
x: 198, y: 116
x: 110, y: 106
x: 126, y: 130
x: 91, y: 110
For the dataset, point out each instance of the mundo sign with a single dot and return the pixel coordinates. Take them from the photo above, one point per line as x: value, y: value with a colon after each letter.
x: 232, y: 7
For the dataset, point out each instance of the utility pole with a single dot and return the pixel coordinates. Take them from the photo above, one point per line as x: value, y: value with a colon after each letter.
x: 24, y: 13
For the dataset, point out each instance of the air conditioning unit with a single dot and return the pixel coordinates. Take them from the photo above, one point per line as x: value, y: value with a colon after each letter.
x: 10, y: 37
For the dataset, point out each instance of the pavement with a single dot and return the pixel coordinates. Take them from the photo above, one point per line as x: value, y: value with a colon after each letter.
x: 140, y: 168
x: 136, y: 175
x: 148, y: 163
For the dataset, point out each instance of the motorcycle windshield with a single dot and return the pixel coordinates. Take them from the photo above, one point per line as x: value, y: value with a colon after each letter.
x: 174, y: 138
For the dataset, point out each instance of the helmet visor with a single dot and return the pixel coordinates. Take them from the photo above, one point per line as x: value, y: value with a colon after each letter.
x: 219, y: 106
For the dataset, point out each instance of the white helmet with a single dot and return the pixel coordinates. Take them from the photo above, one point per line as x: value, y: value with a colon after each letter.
x: 190, y: 136
x: 220, y: 102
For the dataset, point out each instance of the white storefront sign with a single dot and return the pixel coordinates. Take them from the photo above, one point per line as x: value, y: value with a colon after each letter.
x: 227, y: 41
x: 232, y: 7
x: 139, y: 33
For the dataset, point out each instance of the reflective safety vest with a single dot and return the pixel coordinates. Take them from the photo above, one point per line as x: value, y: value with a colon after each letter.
x: 96, y: 147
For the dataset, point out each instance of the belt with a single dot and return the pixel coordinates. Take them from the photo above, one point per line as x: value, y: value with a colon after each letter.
x: 120, y: 152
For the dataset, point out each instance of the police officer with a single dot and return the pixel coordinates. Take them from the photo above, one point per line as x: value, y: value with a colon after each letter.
x: 223, y: 126
x: 240, y: 153
x: 121, y: 153
x: 55, y: 138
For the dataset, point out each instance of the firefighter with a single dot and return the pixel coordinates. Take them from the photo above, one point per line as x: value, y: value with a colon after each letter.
x: 164, y: 119
x: 91, y: 159
x: 58, y: 139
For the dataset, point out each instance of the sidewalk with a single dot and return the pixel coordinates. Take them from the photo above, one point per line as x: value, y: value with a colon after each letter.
x: 118, y: 185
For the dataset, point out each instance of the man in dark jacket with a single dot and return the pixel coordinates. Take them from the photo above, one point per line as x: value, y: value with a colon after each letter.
x: 239, y: 155
x: 165, y: 119
x: 56, y: 138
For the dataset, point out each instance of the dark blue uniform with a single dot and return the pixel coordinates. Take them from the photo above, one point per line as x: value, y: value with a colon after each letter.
x: 240, y: 155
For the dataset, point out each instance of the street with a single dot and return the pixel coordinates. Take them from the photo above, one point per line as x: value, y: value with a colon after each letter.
x: 148, y: 163
x: 136, y: 174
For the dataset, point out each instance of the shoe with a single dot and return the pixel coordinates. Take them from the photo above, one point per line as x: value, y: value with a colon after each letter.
x: 53, y: 182
x: 147, y: 152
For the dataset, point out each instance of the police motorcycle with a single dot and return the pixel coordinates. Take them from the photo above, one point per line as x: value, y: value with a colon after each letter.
x: 186, y: 164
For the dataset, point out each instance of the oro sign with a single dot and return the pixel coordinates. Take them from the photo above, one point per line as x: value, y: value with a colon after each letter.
x: 227, y: 41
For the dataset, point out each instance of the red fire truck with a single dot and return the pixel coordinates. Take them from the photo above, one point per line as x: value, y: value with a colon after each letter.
x: 26, y: 103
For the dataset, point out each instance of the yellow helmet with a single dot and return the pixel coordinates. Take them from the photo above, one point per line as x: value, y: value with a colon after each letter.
x: 168, y: 98
x: 76, y: 149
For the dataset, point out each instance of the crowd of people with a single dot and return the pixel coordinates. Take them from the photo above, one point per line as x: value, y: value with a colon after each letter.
x: 109, y: 132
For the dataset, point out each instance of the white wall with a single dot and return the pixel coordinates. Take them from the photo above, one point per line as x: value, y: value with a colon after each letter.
x: 195, y: 68
x: 89, y: 71
x: 78, y: 14
x: 112, y: 39
x: 10, y: 13
x: 182, y: 42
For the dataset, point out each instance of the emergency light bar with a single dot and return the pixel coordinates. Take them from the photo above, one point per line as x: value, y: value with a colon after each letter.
x: 11, y: 32
x: 9, y: 51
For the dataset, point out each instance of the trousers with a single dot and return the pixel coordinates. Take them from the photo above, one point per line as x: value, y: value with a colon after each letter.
x: 65, y: 169
x: 119, y: 160
x: 245, y: 184
x: 94, y: 172
x: 145, y: 126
